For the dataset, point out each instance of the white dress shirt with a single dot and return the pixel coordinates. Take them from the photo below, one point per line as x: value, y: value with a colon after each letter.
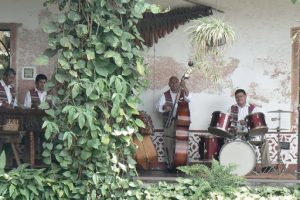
x: 8, y: 94
x: 162, y: 102
x: 42, y: 96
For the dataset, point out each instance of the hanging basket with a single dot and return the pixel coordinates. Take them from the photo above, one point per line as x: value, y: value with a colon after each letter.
x: 210, y: 34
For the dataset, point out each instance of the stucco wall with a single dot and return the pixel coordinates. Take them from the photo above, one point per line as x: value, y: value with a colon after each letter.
x: 259, y: 61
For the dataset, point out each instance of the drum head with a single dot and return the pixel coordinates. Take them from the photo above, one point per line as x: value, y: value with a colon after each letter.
x: 239, y: 153
x: 258, y: 131
x: 219, y: 132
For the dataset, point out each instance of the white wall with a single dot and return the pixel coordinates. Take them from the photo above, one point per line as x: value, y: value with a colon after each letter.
x: 259, y: 62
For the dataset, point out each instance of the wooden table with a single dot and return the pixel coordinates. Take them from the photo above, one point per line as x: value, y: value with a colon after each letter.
x: 30, y: 124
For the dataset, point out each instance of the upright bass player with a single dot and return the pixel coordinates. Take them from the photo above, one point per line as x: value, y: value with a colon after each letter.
x: 167, y: 105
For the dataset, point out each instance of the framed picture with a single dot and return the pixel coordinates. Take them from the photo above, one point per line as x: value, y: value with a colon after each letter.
x: 28, y: 73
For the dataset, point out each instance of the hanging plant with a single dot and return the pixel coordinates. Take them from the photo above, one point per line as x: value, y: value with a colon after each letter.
x: 209, y: 36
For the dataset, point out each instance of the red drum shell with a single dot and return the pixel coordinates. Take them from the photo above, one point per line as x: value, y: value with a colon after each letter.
x: 256, y: 124
x: 209, y: 147
x: 220, y: 124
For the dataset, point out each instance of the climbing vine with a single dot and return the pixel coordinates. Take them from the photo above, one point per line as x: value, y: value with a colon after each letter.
x: 99, y: 78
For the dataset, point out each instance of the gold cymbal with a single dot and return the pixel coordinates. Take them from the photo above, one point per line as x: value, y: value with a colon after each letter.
x: 280, y: 111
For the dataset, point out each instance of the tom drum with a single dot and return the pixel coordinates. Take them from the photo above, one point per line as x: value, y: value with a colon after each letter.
x: 256, y: 124
x: 220, y: 124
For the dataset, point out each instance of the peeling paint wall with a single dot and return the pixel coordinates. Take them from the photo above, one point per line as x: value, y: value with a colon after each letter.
x: 259, y: 61
x: 31, y: 16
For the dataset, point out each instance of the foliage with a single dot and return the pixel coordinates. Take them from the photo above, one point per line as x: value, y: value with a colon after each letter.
x: 95, y: 93
x: 217, y: 175
x: 98, y: 81
x: 4, y: 50
x: 215, y: 183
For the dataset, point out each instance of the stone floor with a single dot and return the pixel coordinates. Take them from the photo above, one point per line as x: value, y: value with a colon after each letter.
x: 254, y: 179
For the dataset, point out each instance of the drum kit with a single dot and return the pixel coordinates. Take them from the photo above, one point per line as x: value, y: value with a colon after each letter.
x: 237, y: 151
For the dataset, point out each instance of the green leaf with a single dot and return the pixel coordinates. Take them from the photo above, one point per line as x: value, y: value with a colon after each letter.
x: 42, y: 60
x: 2, y: 162
x: 118, y: 31
x: 100, y: 48
x: 85, y: 154
x: 73, y: 73
x: 50, y: 112
x: 105, y: 139
x: 94, y: 143
x: 90, y: 54
x: 44, y: 105
x: 74, y: 16
x: 61, y: 18
x: 60, y: 77
x: 65, y: 42
x: 76, y: 90
x: 12, y: 189
x: 118, y: 85
x: 63, y: 63
x: 81, y: 120
x: 81, y: 30
x: 155, y: 9
x: 116, y: 56
x: 50, y: 52
x: 139, y: 123
x: 51, y: 28
x: 104, y: 68
x: 140, y: 68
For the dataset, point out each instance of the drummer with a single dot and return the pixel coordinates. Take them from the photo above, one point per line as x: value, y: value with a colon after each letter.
x: 238, y: 113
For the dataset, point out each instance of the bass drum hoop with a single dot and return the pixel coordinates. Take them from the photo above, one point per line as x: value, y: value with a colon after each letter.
x: 239, y: 153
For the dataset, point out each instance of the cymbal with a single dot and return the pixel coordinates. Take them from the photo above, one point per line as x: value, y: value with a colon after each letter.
x: 280, y: 111
x: 275, y: 129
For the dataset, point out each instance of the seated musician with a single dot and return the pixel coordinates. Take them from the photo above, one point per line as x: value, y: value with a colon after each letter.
x: 168, y: 109
x: 7, y: 92
x: 238, y: 113
x: 35, y: 96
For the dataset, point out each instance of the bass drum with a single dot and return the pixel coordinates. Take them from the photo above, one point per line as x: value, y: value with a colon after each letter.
x: 239, y: 153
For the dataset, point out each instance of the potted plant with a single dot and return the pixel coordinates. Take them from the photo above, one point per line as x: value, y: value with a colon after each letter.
x: 209, y: 36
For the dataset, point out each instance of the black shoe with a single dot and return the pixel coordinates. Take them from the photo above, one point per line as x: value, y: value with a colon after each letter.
x: 171, y: 170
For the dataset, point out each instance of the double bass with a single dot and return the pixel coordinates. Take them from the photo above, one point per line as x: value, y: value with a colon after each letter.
x: 182, y: 124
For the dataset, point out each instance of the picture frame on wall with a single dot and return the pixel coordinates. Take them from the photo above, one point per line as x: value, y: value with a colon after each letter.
x: 28, y: 73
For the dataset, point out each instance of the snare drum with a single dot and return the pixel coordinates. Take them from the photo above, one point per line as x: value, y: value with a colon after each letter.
x: 239, y: 153
x: 209, y: 147
x: 219, y: 125
x: 256, y: 124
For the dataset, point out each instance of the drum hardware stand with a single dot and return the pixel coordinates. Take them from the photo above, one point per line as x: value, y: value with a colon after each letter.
x: 279, y: 159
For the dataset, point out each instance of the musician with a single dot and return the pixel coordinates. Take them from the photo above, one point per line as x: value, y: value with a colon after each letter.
x: 238, y: 113
x: 165, y: 106
x: 7, y: 91
x: 35, y: 96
